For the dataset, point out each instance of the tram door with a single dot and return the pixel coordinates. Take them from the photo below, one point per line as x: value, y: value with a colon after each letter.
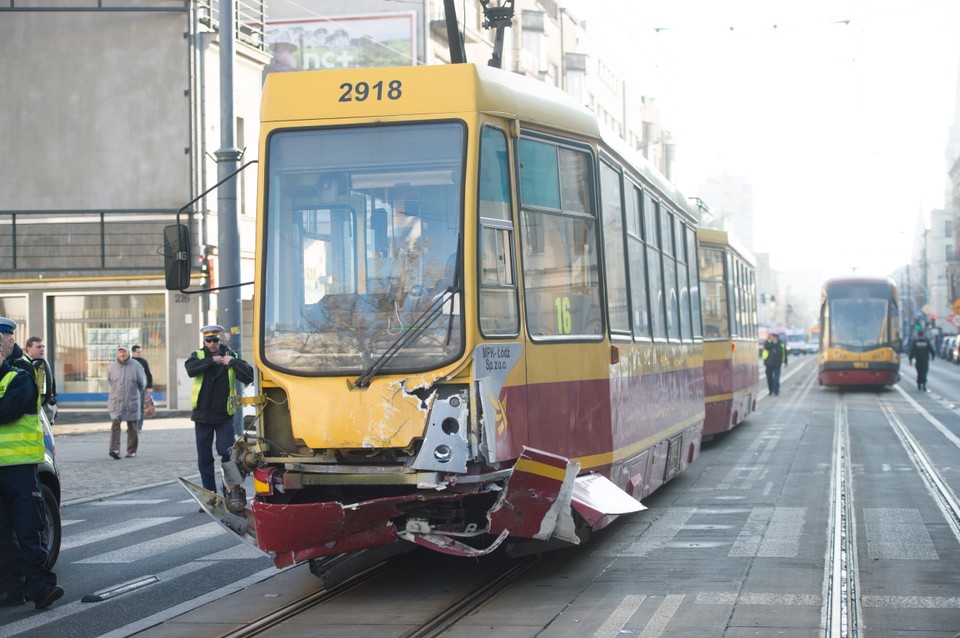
x: 566, y: 360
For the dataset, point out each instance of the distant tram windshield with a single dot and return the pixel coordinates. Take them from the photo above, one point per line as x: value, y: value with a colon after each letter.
x: 362, y: 227
x: 862, y: 315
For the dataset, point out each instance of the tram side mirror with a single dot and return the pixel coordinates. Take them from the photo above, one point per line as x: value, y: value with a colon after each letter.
x: 176, y: 256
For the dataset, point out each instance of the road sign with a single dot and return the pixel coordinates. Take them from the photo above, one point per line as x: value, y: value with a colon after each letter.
x: 954, y: 319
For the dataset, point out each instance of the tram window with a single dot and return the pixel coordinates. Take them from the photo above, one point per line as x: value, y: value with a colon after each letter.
x: 683, y: 274
x: 498, y: 291
x: 731, y: 283
x: 359, y: 226
x: 670, y: 297
x: 575, y: 191
x: 666, y: 231
x: 560, y: 264
x: 715, y: 308
x: 499, y: 313
x: 694, y: 274
x: 655, y: 289
x: 616, y: 268
x: 669, y: 274
x: 539, y: 175
x: 638, y: 272
x: 494, y: 181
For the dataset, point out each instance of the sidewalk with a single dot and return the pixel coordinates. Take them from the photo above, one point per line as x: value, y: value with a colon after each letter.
x: 167, y: 450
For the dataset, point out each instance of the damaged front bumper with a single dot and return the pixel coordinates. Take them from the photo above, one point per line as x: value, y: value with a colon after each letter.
x: 534, y: 500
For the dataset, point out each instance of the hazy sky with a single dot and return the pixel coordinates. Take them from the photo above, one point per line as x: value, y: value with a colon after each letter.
x: 837, y: 112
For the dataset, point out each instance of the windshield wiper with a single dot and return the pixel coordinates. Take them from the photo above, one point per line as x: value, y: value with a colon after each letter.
x: 429, y: 315
x: 433, y: 311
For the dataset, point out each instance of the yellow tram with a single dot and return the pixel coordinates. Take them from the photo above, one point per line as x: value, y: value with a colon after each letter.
x: 860, y: 337
x: 728, y: 289
x: 476, y: 319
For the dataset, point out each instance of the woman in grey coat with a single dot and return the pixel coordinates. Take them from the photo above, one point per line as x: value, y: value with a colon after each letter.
x: 127, y: 381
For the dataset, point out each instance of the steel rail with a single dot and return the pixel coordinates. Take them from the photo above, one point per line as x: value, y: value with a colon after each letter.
x: 278, y: 616
x: 841, y: 612
x: 447, y: 618
x: 941, y: 493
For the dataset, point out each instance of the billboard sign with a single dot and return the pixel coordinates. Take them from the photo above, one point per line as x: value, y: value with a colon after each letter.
x: 341, y: 42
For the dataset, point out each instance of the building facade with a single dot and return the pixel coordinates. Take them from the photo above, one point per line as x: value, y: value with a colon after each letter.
x: 102, y: 155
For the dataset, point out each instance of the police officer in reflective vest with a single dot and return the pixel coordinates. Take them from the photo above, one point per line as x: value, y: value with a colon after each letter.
x: 23, y: 557
x: 923, y: 352
x: 215, y: 369
x: 774, y: 356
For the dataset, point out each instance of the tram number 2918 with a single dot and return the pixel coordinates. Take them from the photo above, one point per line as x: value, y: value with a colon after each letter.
x: 361, y: 91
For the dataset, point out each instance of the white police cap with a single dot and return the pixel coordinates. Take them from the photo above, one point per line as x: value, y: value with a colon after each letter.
x: 7, y: 325
x: 211, y: 330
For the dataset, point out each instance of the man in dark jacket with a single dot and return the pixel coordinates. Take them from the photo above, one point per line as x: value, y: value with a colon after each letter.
x: 148, y: 392
x: 922, y: 351
x: 774, y: 356
x: 35, y: 351
x: 215, y: 369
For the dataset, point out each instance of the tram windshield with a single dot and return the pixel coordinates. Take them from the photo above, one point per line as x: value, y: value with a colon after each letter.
x: 862, y: 316
x: 361, y: 248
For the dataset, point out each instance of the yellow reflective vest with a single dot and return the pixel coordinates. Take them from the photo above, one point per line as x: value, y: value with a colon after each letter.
x: 21, y: 441
x: 198, y: 381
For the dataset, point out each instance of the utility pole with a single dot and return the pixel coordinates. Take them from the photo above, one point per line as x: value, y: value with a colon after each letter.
x: 229, y: 311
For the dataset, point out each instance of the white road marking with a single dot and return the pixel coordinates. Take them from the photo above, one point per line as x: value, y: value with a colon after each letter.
x: 156, y: 546
x: 620, y: 616
x: 667, y: 609
x: 112, y: 531
x: 897, y: 534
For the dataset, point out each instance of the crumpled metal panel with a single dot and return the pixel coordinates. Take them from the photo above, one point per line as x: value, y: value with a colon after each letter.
x: 309, y: 530
x: 451, y: 546
x: 536, y: 501
x: 596, y: 498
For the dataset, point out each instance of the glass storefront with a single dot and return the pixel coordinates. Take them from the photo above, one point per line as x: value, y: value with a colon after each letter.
x: 86, y: 332
x: 15, y: 308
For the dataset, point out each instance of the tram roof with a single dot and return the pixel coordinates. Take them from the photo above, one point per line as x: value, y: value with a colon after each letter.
x: 427, y: 91
x: 725, y: 238
x: 859, y: 279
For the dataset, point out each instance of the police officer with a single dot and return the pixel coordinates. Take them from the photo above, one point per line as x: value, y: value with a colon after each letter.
x: 215, y: 370
x: 923, y: 352
x: 774, y: 356
x: 23, y: 557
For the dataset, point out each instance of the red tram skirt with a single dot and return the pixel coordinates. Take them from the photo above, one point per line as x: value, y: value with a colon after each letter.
x: 859, y: 377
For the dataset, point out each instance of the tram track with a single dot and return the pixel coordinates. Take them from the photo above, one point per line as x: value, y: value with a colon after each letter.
x: 462, y: 603
x: 841, y: 611
x: 941, y: 493
x: 279, y: 616
x: 440, y: 622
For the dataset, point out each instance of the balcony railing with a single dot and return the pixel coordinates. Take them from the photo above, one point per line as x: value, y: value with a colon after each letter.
x: 54, y: 243
x: 250, y: 14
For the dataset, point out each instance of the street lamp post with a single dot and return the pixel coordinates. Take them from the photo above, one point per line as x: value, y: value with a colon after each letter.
x: 229, y: 311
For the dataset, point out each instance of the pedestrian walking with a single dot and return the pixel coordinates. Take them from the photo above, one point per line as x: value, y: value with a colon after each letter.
x: 774, y: 357
x: 215, y: 370
x: 23, y: 556
x: 921, y: 353
x: 127, y: 382
x: 148, y: 393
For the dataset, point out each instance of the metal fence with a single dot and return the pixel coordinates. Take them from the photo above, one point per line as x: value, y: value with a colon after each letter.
x: 57, y: 242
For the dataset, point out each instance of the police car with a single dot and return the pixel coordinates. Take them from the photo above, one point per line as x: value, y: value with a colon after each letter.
x: 50, y: 488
